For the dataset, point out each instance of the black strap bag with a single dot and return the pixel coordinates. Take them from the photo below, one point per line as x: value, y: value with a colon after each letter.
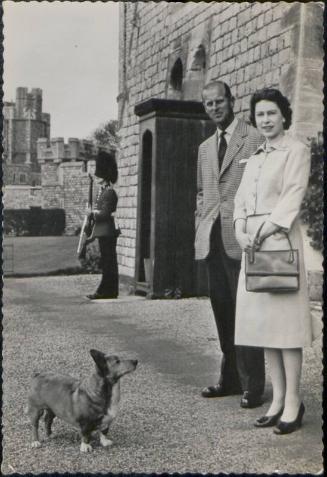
x: 272, y: 271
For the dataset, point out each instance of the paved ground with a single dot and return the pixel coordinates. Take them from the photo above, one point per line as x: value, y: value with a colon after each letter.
x: 164, y: 425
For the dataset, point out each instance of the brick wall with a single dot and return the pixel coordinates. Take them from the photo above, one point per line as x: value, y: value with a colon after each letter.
x: 248, y: 45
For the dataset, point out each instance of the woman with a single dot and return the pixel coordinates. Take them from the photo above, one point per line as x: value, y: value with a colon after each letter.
x: 271, y: 192
x: 104, y: 228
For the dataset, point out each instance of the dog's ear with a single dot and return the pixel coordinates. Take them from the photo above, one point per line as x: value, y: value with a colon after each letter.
x: 100, y: 361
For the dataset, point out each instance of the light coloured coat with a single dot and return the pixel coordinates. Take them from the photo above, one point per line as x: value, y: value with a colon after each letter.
x: 216, y: 189
x: 272, y: 188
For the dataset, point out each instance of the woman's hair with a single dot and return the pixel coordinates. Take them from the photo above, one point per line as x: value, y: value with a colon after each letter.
x: 274, y: 95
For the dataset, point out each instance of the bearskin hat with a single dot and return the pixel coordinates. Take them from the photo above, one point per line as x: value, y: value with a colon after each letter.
x: 106, y: 166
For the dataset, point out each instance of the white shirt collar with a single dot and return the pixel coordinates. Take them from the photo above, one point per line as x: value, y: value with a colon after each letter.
x: 229, y: 130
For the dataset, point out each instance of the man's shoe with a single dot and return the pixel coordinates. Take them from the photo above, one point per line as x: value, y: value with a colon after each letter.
x: 97, y: 296
x: 219, y: 391
x: 250, y: 401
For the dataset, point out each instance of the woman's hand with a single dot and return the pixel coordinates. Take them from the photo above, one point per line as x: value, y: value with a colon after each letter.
x: 244, y: 240
x: 268, y: 229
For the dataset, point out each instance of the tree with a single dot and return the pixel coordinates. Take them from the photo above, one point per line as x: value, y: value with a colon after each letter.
x: 106, y: 135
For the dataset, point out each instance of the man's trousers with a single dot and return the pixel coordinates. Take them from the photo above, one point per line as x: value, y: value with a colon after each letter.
x: 109, y: 281
x: 241, y: 366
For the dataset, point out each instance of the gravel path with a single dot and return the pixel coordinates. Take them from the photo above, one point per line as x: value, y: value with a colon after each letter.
x: 163, y: 425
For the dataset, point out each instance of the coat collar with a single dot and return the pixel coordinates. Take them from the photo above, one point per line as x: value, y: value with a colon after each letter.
x: 282, y: 145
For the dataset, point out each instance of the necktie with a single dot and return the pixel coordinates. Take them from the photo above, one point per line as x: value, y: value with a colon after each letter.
x: 222, y: 148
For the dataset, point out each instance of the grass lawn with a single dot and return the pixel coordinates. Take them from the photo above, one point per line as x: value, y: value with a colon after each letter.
x: 39, y: 255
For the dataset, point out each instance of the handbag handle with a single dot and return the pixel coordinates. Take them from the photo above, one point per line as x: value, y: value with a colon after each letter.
x: 252, y: 249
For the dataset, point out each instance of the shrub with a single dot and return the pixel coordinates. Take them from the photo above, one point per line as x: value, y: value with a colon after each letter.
x: 312, y: 207
x: 34, y: 222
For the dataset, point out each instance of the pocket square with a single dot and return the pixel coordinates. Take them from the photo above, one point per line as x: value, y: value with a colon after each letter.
x: 243, y: 161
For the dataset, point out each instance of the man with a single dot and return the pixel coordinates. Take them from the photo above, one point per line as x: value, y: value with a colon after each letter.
x: 221, y: 162
x: 104, y: 225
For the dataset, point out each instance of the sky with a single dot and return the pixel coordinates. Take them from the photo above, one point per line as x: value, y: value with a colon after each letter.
x: 70, y: 51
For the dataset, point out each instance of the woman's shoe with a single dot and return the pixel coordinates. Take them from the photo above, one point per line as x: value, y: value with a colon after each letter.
x: 288, y: 427
x: 268, y: 421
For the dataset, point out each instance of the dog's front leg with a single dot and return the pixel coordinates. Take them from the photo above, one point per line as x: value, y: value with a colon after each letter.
x: 103, y: 438
x: 85, y: 444
x: 35, y: 415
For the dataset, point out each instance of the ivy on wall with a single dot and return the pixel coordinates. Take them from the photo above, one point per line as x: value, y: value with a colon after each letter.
x: 312, y: 206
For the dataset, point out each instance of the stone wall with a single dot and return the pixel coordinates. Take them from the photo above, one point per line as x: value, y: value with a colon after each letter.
x: 170, y: 49
x: 22, y: 196
x: 64, y: 173
x: 65, y: 170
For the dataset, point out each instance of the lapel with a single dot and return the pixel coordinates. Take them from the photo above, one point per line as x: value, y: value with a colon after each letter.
x: 212, y: 153
x: 235, y: 144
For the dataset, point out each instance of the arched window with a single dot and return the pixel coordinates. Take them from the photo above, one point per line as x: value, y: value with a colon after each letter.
x: 176, y: 76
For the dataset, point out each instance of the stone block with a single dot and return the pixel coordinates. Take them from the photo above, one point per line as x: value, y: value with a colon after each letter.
x: 276, y: 74
x: 260, y: 21
x: 240, y: 90
x: 262, y: 35
x: 273, y: 29
x: 244, y: 16
x: 244, y: 59
x: 233, y: 77
x: 250, y: 58
x: 284, y: 56
x: 232, y: 24
x: 275, y: 60
x: 253, y: 40
x: 266, y: 65
x: 240, y: 76
x: 268, y: 17
x: 224, y: 28
x: 235, y: 36
x: 219, y: 44
x: 227, y: 40
x: 257, y: 53
x: 272, y: 47
x: 231, y: 65
x: 244, y: 45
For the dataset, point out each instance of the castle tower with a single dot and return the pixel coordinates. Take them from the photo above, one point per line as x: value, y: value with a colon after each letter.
x: 24, y: 124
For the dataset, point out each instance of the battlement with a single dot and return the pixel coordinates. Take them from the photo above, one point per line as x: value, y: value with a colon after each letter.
x: 23, y: 92
x: 57, y: 151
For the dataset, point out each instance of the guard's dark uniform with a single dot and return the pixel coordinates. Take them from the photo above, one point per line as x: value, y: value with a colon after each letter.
x: 106, y: 204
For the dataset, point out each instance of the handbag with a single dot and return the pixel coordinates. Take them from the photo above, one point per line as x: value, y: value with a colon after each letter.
x: 272, y: 271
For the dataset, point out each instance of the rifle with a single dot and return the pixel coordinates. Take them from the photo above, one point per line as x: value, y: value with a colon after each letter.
x: 88, y: 223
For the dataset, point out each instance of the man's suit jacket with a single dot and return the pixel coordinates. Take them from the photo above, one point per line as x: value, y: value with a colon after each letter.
x: 217, y: 189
